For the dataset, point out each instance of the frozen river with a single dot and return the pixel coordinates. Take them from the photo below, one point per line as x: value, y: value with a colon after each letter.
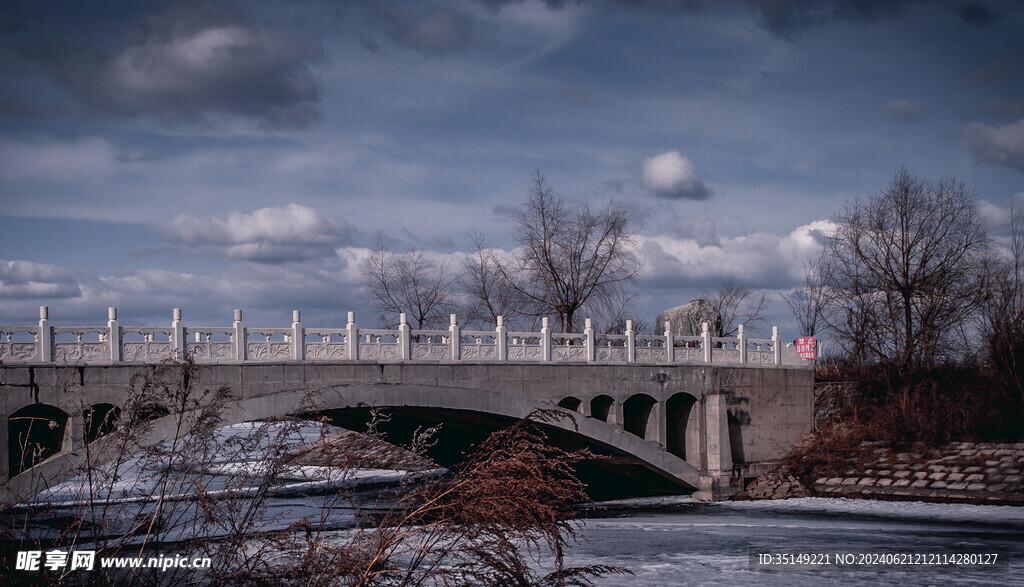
x: 678, y: 541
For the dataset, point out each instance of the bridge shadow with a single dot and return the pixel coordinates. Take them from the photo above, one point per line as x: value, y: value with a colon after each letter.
x: 615, y: 474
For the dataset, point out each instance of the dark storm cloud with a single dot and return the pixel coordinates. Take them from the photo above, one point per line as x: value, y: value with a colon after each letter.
x: 435, y: 30
x: 787, y: 18
x: 189, y: 61
x: 977, y: 13
x: 999, y: 145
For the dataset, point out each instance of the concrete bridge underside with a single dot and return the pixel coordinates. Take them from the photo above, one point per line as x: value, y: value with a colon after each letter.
x: 663, y: 427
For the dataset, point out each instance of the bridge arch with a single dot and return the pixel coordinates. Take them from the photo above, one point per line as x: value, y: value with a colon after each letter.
x: 629, y: 454
x: 100, y: 420
x: 573, y: 404
x: 34, y: 434
x: 648, y: 455
x: 639, y: 416
x: 682, y: 429
x: 602, y: 407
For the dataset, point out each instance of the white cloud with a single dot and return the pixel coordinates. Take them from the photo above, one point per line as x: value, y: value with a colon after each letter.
x: 324, y: 289
x: 29, y: 280
x: 88, y: 159
x: 759, y: 259
x: 1002, y: 145
x: 902, y: 110
x: 672, y: 175
x: 272, y: 235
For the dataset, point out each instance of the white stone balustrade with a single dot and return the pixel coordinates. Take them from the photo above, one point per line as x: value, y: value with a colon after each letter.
x: 114, y: 343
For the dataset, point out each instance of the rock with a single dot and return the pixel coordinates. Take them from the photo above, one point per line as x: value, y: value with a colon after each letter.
x: 686, y: 320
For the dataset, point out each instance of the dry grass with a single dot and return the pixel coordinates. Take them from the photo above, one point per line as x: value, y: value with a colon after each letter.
x: 504, y: 514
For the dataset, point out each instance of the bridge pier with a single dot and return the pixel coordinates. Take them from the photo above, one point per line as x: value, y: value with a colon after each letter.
x: 716, y: 480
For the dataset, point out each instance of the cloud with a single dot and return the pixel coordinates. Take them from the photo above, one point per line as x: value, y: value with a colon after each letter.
x: 997, y: 218
x: 977, y: 14
x: 192, y: 60
x: 787, y: 18
x: 324, y: 289
x: 671, y: 175
x: 267, y: 235
x: 903, y: 110
x: 20, y: 280
x: 1002, y: 145
x: 88, y: 159
x: 762, y: 260
x: 437, y: 30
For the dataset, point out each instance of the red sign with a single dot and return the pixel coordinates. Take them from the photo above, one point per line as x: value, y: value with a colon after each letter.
x: 807, y: 348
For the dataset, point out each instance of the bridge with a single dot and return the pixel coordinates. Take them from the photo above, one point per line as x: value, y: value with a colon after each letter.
x: 671, y: 413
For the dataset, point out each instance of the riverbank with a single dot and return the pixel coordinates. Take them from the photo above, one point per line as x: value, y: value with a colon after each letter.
x: 958, y: 472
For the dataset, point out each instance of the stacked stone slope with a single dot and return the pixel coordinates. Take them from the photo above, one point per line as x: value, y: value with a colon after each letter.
x: 982, y: 472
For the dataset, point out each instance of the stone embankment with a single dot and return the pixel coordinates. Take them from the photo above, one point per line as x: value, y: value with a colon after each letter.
x: 775, y: 484
x: 964, y: 472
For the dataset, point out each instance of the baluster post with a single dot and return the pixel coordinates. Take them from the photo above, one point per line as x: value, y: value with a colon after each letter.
x: 590, y: 341
x: 630, y: 342
x: 352, y: 338
x: 705, y: 332
x: 404, y: 338
x: 455, y: 338
x: 670, y: 344
x: 44, y: 342
x: 177, y: 336
x: 545, y: 340
x: 298, y: 337
x: 240, y: 336
x: 501, y: 339
x: 741, y: 339
x: 114, y: 335
x: 776, y: 346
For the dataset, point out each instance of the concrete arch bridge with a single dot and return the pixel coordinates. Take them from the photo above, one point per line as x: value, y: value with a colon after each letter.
x: 665, y: 427
x: 693, y: 414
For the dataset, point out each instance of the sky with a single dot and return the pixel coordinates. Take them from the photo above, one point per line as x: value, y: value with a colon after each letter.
x: 216, y: 155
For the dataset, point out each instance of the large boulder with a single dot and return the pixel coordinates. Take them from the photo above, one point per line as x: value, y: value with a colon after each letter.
x: 686, y: 320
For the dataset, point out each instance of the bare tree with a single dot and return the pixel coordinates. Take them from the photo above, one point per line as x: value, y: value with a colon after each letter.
x: 1002, y: 318
x: 568, y: 257
x: 808, y: 303
x: 408, y: 282
x: 736, y: 304
x: 488, y: 293
x: 902, y: 270
x: 611, y: 310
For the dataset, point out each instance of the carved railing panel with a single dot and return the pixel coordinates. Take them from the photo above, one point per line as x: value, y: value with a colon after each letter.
x: 479, y: 345
x: 379, y: 345
x: 80, y: 349
x: 568, y: 347
x: 760, y: 352
x: 155, y: 345
x: 431, y: 345
x: 207, y: 344
x: 328, y: 344
x: 14, y: 346
x: 689, y: 355
x: 270, y: 344
x: 611, y: 348
x: 525, y: 346
x: 651, y: 349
